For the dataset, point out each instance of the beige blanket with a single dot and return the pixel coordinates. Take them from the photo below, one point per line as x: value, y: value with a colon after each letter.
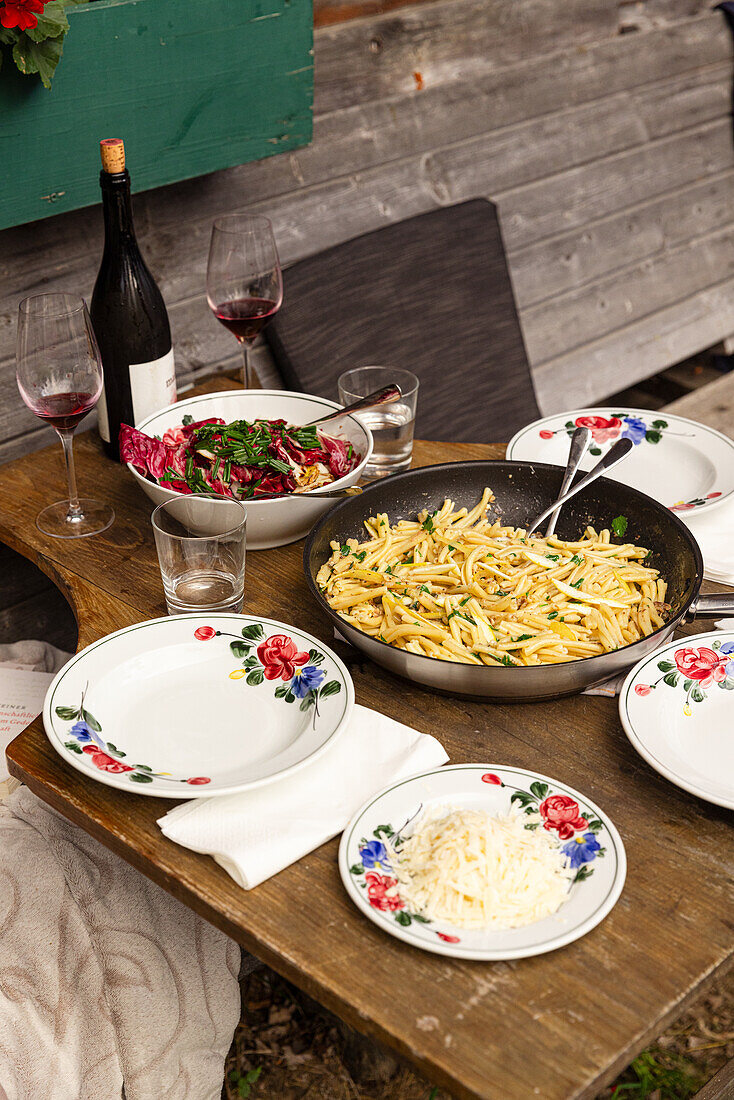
x: 105, y: 979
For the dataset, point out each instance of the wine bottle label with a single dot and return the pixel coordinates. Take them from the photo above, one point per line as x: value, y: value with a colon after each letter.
x: 152, y: 385
x: 103, y: 423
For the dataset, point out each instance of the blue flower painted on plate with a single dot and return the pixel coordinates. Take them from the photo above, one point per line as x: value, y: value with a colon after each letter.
x: 85, y: 734
x: 634, y: 429
x: 582, y: 849
x: 374, y: 856
x: 306, y: 679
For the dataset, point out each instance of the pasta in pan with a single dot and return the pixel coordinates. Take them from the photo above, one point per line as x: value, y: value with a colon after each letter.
x: 457, y: 586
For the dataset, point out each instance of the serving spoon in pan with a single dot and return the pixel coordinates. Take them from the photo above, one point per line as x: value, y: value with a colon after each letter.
x: 616, y: 454
x: 580, y: 441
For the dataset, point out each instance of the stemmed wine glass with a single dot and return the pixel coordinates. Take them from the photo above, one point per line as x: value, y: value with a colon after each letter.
x: 244, y: 283
x: 59, y: 373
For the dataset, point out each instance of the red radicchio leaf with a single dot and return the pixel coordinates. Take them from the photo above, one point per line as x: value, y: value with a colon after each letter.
x: 339, y: 463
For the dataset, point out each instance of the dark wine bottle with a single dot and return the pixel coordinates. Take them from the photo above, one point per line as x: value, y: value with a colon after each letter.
x: 128, y: 314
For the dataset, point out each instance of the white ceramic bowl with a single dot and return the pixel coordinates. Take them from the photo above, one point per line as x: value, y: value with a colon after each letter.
x: 269, y: 522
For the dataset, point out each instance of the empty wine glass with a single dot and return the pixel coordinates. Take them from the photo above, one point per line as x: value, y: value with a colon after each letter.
x: 59, y: 373
x: 244, y: 284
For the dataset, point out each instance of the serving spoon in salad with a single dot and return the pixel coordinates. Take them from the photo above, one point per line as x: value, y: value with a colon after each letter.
x: 378, y: 397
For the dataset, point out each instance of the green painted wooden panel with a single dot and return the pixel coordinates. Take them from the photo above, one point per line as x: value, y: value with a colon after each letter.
x: 190, y: 86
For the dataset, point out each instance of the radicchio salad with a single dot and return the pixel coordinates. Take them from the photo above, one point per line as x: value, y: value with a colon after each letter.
x: 245, y: 459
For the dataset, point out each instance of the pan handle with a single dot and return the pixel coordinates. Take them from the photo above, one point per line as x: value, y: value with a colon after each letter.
x: 710, y: 606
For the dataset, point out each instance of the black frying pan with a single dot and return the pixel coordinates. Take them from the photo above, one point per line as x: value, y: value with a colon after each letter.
x: 522, y: 490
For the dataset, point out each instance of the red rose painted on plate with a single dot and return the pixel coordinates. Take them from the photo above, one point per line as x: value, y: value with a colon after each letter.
x: 602, y: 429
x: 702, y: 665
x: 104, y: 762
x: 380, y: 891
x: 280, y: 657
x: 643, y: 689
x: 205, y: 633
x: 561, y: 812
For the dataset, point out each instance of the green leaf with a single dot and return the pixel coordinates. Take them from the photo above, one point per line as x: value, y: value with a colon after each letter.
x: 727, y: 684
x: 619, y: 525
x: 240, y: 649
x: 660, y: 423
x: 307, y: 701
x: 289, y: 696
x: 521, y: 797
x: 91, y: 721
x: 540, y: 790
x: 583, y: 873
x: 187, y: 419
x: 73, y: 746
x: 532, y: 824
x: 384, y: 830
x: 144, y: 767
x: 570, y: 424
x: 666, y: 666
x: 280, y: 691
x: 314, y: 657
x: 67, y: 713
x: 114, y: 751
x: 687, y: 685
x: 671, y: 679
x: 253, y: 632
x: 595, y: 825
x: 333, y: 687
x: 51, y: 23
x: 595, y: 450
x: 255, y: 677
x: 653, y: 437
x: 420, y: 919
x: 38, y: 57
x: 356, y: 869
x: 141, y: 777
x: 403, y: 918
x: 697, y: 695
x: 251, y: 662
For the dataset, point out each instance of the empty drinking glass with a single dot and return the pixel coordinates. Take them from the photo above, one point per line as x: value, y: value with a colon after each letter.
x: 392, y: 424
x: 201, y: 552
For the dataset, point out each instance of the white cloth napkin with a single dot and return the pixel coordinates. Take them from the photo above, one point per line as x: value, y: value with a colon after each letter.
x: 255, y: 834
x: 714, y: 532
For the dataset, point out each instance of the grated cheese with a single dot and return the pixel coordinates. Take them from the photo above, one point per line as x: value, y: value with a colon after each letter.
x: 475, y: 870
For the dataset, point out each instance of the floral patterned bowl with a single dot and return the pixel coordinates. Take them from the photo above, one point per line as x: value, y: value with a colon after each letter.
x: 197, y: 705
x: 677, y: 708
x: 590, y: 843
x: 685, y: 465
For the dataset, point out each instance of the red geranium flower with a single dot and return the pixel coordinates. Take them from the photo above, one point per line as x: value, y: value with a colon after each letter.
x: 601, y: 428
x: 378, y: 887
x: 560, y: 812
x: 204, y: 633
x: 104, y: 762
x: 490, y: 777
x: 544, y: 434
x: 643, y: 689
x: 19, y: 13
x: 279, y: 657
x: 703, y: 665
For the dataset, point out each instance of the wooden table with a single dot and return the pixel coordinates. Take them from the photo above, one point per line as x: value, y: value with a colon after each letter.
x: 557, y: 1026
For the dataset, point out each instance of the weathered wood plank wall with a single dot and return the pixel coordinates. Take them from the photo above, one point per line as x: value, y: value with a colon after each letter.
x: 602, y: 129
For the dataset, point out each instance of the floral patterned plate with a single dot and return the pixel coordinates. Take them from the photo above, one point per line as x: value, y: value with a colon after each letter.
x: 197, y: 705
x: 677, y: 708
x: 589, y: 840
x: 685, y: 465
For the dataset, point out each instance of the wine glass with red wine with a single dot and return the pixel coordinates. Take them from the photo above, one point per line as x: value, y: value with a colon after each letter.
x: 244, y: 284
x: 59, y: 373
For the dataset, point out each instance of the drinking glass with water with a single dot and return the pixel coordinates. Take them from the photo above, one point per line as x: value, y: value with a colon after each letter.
x: 201, y: 543
x: 391, y: 424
